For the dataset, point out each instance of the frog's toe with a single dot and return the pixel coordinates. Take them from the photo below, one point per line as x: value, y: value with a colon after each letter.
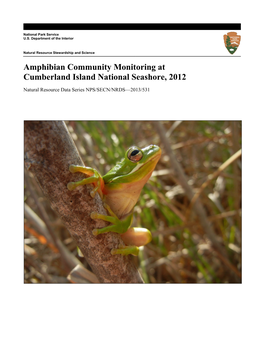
x: 71, y: 186
x: 72, y: 168
x: 95, y: 232
x: 94, y: 215
x: 92, y: 193
x: 125, y: 250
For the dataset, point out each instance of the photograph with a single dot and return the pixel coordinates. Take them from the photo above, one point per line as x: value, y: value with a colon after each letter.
x: 154, y: 202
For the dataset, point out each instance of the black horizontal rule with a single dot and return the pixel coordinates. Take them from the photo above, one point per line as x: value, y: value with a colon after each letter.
x: 146, y: 26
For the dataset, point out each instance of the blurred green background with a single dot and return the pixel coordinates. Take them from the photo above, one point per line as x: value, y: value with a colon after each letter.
x: 181, y: 251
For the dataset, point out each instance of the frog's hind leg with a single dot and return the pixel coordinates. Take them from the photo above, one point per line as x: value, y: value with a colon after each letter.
x: 133, y: 238
x: 137, y: 236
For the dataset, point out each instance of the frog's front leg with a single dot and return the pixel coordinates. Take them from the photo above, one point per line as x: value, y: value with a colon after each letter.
x: 94, y: 178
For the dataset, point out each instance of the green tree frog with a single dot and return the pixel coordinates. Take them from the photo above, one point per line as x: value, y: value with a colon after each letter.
x: 120, y: 189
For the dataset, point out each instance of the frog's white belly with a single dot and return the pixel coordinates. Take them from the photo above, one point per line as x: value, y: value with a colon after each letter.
x: 122, y: 203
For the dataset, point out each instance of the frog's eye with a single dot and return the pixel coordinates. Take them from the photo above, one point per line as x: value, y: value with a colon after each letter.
x: 134, y: 154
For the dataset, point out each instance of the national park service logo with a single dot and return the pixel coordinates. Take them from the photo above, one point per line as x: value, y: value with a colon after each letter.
x: 232, y: 41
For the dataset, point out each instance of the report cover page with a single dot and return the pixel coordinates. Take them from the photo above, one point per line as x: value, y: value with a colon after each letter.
x: 131, y: 126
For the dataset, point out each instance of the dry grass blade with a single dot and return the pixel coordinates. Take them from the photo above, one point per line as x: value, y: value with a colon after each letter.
x: 81, y: 275
x: 38, y: 266
x: 41, y: 229
x: 173, y: 208
x: 174, y: 229
x: 43, y: 213
x: 40, y: 238
x: 211, y: 177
